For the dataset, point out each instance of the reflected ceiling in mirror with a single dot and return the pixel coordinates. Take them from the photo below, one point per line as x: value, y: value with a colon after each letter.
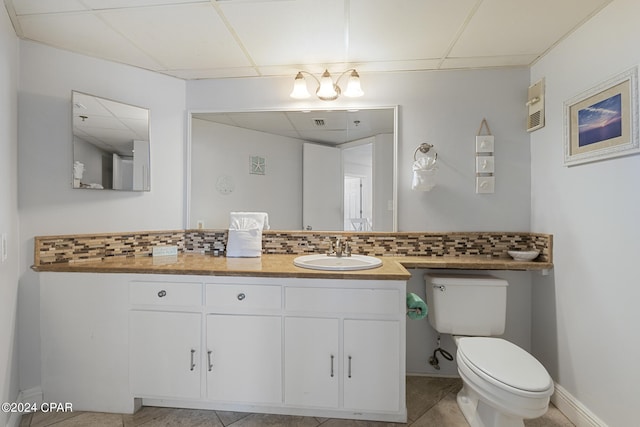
x: 305, y: 158
x: 110, y: 144
x: 320, y: 126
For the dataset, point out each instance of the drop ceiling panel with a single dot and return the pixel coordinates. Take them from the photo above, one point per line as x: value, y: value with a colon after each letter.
x: 179, y: 37
x: 221, y: 118
x: 194, y: 39
x: 519, y: 28
x: 383, y: 30
x: 421, y: 64
x: 329, y: 137
x: 23, y: 7
x: 488, y: 62
x: 86, y: 34
x: 288, y: 32
x: 318, y: 120
x: 116, y: 4
x: 270, y: 122
x: 213, y: 73
x: 338, y: 127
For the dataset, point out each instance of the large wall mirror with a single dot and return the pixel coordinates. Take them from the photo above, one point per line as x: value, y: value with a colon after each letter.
x: 110, y: 144
x: 310, y: 170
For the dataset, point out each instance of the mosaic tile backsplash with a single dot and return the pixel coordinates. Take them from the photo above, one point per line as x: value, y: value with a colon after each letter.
x: 94, y: 247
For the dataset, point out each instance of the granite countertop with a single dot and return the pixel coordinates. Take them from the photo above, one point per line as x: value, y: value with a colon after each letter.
x: 392, y: 268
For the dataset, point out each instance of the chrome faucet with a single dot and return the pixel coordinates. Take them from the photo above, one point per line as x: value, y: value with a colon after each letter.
x: 339, y: 248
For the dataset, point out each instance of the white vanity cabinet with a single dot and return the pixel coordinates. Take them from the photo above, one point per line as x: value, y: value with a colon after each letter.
x: 344, y: 346
x: 84, y: 341
x: 244, y: 359
x: 313, y: 346
x: 165, y: 354
x: 372, y: 358
x: 312, y: 368
x: 244, y: 341
x: 165, y: 339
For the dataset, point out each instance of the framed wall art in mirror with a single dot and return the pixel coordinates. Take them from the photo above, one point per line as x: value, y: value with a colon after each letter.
x: 111, y: 149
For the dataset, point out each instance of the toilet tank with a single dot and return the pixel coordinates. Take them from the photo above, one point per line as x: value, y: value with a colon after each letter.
x: 466, y: 304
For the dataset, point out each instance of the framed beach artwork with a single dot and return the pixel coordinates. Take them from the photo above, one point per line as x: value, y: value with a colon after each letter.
x: 602, y: 122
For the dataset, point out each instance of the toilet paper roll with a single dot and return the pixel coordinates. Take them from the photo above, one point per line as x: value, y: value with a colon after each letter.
x: 416, y: 307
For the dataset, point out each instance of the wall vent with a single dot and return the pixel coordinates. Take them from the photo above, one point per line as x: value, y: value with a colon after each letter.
x: 535, y: 105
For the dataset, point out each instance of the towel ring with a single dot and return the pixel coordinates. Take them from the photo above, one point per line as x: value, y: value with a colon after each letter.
x: 424, y: 149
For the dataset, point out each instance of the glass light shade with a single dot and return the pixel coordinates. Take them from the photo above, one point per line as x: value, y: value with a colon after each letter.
x: 327, y: 90
x: 300, y: 90
x: 353, y: 86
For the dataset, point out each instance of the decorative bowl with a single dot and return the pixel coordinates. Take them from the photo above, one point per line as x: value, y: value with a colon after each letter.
x: 524, y: 255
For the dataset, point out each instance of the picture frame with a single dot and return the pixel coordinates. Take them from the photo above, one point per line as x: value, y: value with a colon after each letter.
x: 602, y: 122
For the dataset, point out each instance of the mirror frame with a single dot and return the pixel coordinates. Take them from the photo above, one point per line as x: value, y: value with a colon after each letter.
x: 187, y: 165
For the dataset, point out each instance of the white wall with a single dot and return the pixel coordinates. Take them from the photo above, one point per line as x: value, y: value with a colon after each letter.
x: 586, y: 315
x: 8, y: 212
x: 444, y: 109
x: 47, y: 203
x: 221, y: 150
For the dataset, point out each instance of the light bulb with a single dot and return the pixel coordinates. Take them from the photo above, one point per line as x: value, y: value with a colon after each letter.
x: 353, y: 86
x: 300, y: 90
x: 327, y: 90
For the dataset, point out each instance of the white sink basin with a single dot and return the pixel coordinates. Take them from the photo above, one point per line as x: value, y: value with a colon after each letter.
x: 333, y: 263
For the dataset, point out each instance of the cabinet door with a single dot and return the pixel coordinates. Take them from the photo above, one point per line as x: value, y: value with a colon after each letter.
x: 84, y: 324
x: 311, y: 370
x: 372, y: 365
x: 244, y: 358
x: 165, y: 354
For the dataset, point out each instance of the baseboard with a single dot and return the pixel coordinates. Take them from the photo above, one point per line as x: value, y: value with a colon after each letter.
x: 575, y: 411
x: 32, y: 395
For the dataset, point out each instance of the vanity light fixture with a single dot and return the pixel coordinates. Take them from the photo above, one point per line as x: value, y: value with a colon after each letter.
x: 327, y: 90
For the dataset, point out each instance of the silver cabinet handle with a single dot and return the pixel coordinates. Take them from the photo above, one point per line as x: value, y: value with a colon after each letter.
x: 162, y: 293
x: 332, y: 365
x: 193, y: 363
x: 349, y: 373
x: 209, y: 360
x: 241, y: 296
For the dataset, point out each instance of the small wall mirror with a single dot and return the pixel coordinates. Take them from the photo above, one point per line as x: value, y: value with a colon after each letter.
x: 110, y: 144
x: 310, y: 170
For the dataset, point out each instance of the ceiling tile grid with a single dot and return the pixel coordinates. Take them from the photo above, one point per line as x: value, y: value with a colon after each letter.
x: 198, y: 39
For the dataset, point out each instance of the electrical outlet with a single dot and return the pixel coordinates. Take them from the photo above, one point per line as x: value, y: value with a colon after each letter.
x: 4, y: 250
x: 200, y: 224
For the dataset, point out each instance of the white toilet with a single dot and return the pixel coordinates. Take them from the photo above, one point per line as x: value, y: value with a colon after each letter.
x: 502, y: 383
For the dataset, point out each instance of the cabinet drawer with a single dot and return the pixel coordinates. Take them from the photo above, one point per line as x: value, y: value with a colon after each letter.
x: 267, y: 297
x: 369, y: 301
x: 165, y: 293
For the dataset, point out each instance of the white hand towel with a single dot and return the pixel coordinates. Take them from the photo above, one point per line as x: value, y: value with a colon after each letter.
x: 245, y: 233
x: 248, y: 220
x: 424, y: 174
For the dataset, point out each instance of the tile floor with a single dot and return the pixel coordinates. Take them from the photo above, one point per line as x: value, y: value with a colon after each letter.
x: 431, y: 402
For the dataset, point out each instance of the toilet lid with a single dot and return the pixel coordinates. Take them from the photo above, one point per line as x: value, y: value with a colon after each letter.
x: 505, y: 362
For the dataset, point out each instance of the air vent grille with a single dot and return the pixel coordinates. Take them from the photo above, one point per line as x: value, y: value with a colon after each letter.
x: 534, y: 120
x: 535, y: 106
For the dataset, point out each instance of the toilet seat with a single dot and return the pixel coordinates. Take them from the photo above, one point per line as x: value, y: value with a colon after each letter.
x: 505, y: 365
